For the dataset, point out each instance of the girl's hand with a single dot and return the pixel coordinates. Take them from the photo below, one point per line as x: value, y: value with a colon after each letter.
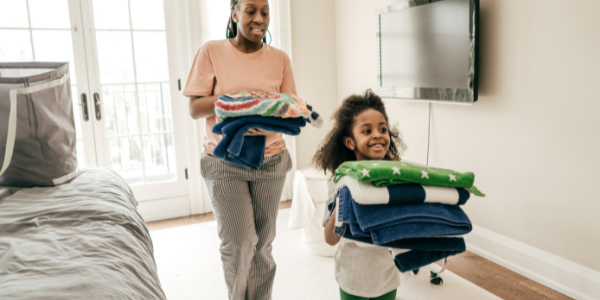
x: 331, y: 238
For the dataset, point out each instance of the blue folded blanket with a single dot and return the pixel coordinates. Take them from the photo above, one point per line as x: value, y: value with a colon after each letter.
x: 424, y: 251
x: 421, y: 244
x: 391, y: 223
x: 388, y: 223
x: 249, y: 151
x: 424, y: 240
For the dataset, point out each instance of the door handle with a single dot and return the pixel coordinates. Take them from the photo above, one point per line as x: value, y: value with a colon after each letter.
x: 97, y: 104
x: 84, y: 107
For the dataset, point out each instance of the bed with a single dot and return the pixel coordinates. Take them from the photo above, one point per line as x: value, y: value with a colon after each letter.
x: 80, y: 240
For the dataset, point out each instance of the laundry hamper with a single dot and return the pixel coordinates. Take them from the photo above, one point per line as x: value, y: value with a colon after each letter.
x: 37, y: 129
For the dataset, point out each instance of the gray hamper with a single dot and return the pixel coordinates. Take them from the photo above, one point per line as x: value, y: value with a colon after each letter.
x: 37, y: 130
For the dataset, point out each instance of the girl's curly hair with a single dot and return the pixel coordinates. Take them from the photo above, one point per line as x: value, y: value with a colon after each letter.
x: 332, y: 152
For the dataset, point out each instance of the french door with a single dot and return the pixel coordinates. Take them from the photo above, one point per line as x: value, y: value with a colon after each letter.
x: 124, y: 80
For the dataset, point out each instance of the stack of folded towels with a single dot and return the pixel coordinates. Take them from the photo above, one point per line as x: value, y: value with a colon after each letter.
x: 239, y: 113
x: 411, y: 208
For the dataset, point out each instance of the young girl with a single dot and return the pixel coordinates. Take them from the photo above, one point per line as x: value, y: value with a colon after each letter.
x: 361, y: 132
x: 245, y: 202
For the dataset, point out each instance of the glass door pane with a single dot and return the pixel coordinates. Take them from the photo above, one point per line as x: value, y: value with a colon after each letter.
x: 134, y: 77
x: 135, y: 84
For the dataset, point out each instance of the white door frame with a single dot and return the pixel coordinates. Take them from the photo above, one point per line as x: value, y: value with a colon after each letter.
x: 83, y: 88
x: 189, y: 41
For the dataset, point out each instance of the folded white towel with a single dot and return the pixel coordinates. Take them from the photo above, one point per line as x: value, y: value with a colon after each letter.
x: 303, y: 208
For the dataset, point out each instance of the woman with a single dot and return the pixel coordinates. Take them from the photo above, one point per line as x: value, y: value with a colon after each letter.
x: 245, y: 202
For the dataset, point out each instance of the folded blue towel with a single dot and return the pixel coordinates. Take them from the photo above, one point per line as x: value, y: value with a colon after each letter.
x: 421, y: 244
x: 249, y: 151
x: 413, y: 260
x: 424, y: 251
x: 424, y: 239
x: 388, y: 223
x: 346, y: 214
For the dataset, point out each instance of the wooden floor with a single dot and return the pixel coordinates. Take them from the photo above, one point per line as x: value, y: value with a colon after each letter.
x: 194, y: 219
x: 482, y: 272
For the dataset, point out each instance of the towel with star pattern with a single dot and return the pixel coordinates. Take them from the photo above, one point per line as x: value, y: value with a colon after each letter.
x: 388, y: 173
x: 279, y: 105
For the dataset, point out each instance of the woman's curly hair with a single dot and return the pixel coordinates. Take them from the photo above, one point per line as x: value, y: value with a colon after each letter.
x: 332, y: 152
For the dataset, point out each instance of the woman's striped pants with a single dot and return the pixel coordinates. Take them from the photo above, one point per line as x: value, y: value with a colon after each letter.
x: 245, y: 203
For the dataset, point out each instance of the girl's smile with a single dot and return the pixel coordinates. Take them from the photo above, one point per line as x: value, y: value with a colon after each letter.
x: 377, y: 146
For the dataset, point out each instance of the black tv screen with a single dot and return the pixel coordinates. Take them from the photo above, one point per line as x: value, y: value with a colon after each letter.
x: 428, y: 50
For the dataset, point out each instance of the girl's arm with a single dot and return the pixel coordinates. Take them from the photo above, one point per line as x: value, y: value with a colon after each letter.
x: 331, y: 238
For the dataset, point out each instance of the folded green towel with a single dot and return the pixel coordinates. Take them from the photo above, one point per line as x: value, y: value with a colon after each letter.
x: 385, y: 173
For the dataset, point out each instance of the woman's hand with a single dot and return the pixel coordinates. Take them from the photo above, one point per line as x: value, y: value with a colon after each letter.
x: 202, y: 107
x: 253, y: 92
x: 257, y: 131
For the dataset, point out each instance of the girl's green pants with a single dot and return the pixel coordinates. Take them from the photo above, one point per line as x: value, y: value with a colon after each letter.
x: 389, y: 296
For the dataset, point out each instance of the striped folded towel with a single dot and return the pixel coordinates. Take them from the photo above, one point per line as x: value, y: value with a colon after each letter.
x: 279, y: 105
x: 366, y: 193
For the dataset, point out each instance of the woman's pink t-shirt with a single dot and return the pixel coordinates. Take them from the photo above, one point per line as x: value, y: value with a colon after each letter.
x: 220, y: 68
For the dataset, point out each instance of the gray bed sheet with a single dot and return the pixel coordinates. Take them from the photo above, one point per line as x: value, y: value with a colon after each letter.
x: 80, y: 240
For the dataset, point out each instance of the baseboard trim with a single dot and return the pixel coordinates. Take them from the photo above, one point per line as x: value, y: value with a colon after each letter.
x: 559, y: 274
x: 163, y: 209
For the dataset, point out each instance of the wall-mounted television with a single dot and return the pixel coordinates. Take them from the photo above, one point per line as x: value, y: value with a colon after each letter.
x: 427, y: 50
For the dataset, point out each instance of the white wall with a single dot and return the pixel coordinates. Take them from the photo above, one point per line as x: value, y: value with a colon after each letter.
x: 315, y: 68
x: 532, y: 139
